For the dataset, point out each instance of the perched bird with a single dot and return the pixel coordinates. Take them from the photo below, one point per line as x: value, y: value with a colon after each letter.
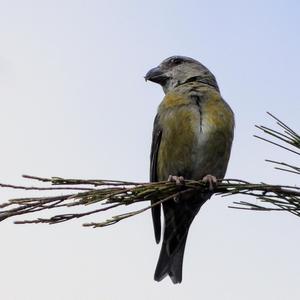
x: 192, y: 137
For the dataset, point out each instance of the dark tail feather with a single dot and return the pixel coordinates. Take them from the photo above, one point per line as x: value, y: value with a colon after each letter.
x: 170, y: 264
x: 178, y: 218
x: 176, y: 266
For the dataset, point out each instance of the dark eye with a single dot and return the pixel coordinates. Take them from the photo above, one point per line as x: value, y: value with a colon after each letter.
x: 176, y: 61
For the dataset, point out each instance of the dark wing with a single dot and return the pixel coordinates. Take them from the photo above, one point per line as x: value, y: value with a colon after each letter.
x: 156, y: 138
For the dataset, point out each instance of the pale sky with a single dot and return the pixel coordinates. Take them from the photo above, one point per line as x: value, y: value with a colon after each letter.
x: 75, y: 104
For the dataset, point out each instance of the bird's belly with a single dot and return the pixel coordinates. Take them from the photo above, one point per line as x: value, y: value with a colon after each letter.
x: 191, y: 147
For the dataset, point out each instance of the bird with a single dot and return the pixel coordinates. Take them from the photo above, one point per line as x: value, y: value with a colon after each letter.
x: 192, y: 137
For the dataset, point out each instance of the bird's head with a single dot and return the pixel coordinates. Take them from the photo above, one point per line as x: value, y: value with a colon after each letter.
x: 177, y: 70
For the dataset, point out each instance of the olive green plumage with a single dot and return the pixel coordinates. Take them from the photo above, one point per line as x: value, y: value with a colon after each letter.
x: 192, y: 137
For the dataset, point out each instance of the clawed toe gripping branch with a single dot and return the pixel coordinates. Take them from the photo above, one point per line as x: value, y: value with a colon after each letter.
x: 106, y: 195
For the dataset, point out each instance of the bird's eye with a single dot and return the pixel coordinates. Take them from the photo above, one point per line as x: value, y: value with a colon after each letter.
x: 176, y: 61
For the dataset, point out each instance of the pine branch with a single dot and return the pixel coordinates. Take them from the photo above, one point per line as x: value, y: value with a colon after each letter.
x: 107, y: 195
x: 291, y: 140
x: 112, y: 194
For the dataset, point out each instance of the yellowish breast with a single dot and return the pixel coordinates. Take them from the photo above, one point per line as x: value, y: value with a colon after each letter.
x: 180, y: 121
x: 196, y: 139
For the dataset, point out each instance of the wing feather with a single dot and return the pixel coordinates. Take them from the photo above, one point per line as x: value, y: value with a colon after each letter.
x: 156, y: 138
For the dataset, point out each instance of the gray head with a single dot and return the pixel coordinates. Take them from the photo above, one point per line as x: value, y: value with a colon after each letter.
x: 177, y: 70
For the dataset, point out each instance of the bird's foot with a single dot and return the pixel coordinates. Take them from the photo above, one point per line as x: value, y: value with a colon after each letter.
x: 178, y: 179
x: 211, y: 180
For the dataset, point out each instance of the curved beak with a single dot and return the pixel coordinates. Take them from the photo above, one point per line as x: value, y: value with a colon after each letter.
x: 156, y: 75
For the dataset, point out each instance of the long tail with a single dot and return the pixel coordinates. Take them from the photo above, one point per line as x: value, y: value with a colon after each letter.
x: 178, y: 218
x: 170, y: 264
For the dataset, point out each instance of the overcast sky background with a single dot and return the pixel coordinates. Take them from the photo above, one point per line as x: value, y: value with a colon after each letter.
x: 74, y: 104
